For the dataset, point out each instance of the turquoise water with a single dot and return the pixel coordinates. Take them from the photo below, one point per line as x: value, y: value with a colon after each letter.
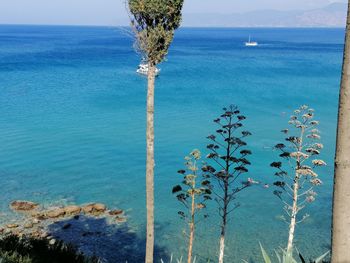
x: 72, y: 123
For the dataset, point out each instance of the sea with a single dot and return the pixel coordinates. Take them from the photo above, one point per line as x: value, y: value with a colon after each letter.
x: 72, y: 128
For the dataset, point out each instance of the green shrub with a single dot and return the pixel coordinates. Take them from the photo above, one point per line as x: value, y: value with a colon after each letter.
x: 284, y: 257
x: 32, y: 250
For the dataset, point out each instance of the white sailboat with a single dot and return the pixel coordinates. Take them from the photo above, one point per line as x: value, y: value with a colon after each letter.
x: 251, y: 43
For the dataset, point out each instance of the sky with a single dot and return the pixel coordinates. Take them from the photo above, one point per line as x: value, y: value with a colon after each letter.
x: 113, y: 12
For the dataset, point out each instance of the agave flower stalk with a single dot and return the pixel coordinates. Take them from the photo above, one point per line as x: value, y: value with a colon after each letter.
x: 301, y: 154
x: 229, y: 155
x: 193, y: 193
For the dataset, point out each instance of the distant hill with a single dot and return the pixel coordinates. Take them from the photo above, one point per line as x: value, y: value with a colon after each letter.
x: 333, y: 15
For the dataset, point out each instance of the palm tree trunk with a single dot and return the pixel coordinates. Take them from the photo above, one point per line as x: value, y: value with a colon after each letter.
x: 341, y: 195
x: 150, y: 165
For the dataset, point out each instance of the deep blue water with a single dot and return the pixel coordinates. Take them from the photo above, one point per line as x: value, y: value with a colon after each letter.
x: 72, y: 123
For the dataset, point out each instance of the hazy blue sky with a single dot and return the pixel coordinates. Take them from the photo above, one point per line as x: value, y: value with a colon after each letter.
x: 112, y: 12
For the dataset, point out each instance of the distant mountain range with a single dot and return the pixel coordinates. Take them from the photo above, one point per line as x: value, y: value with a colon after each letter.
x: 333, y: 15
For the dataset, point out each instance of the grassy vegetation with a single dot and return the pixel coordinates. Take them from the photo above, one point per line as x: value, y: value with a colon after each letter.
x: 14, y: 249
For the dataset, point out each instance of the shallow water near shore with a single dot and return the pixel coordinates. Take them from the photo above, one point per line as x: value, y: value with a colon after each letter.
x: 72, y: 123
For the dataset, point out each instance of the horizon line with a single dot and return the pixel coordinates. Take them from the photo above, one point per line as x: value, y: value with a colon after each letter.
x: 187, y: 26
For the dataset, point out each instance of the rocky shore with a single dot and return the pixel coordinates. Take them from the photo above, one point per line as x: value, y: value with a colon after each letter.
x: 36, y: 221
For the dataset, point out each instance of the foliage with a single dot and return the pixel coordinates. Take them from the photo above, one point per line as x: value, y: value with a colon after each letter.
x: 6, y: 257
x: 154, y: 23
x: 284, y: 257
x: 180, y: 260
x: 171, y: 260
x: 31, y: 250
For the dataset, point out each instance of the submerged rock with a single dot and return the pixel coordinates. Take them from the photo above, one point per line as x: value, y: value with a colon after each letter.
x: 39, y: 216
x: 43, y: 234
x: 88, y: 233
x: 87, y: 209
x: 100, y: 207
x: 28, y: 225
x: 72, y: 210
x: 120, y: 220
x: 36, y: 221
x: 66, y: 226
x: 19, y: 205
x: 94, y: 208
x: 12, y: 225
x: 55, y: 213
x: 116, y: 212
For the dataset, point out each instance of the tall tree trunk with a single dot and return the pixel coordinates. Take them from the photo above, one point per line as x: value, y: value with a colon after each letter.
x: 341, y: 195
x: 293, y: 216
x: 150, y: 165
x: 190, y: 244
